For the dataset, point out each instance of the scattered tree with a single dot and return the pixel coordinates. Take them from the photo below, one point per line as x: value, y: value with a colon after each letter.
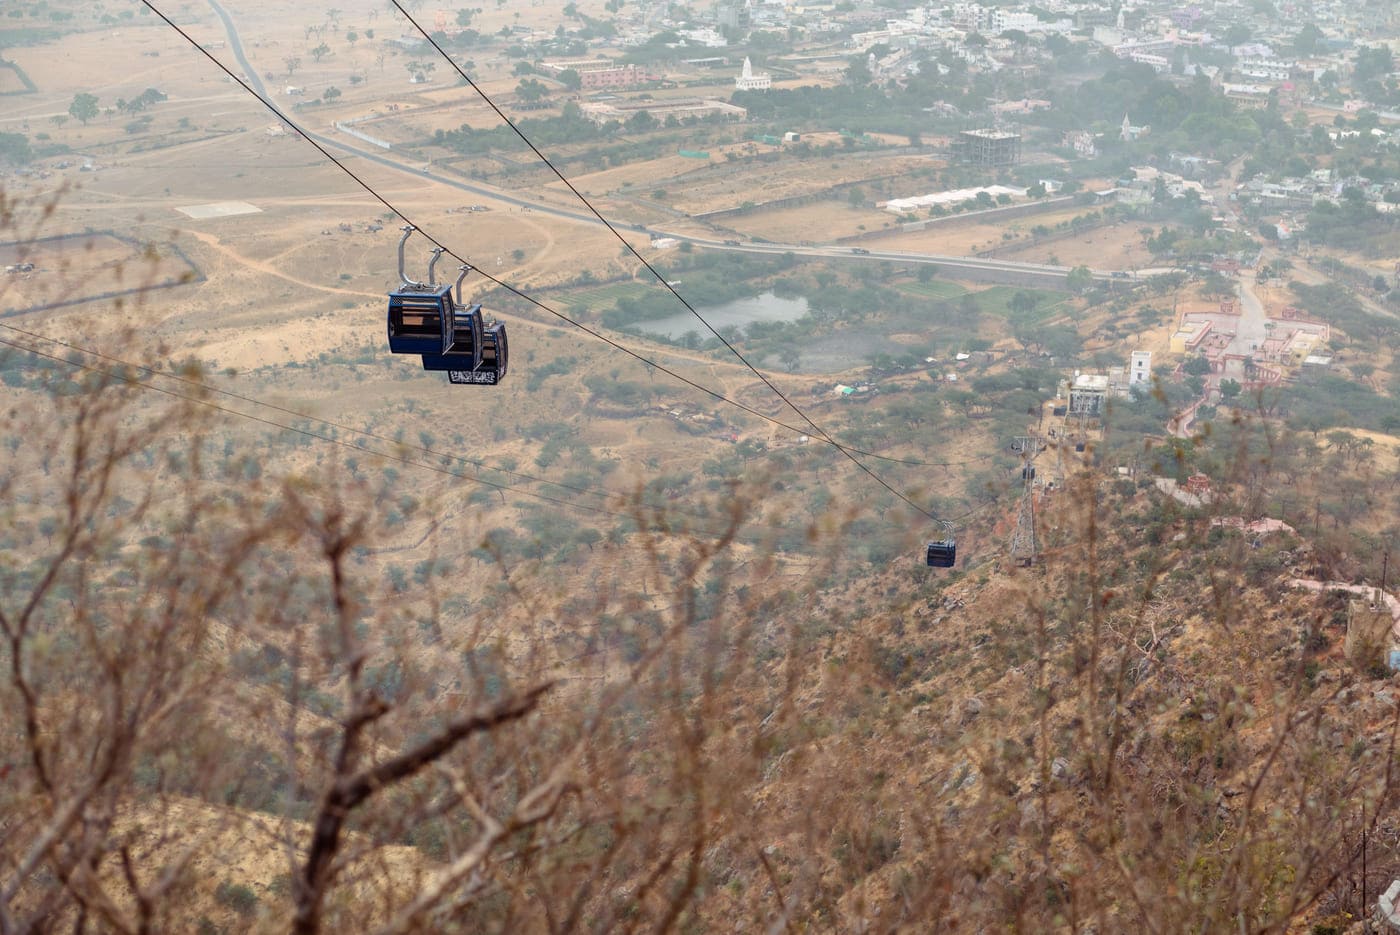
x: 1306, y: 41
x: 1199, y: 365
x: 1079, y: 280
x: 15, y: 149
x: 84, y: 107
x: 1022, y: 302
x: 531, y: 90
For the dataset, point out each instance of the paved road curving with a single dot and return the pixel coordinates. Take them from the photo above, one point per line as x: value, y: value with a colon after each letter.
x: 959, y: 267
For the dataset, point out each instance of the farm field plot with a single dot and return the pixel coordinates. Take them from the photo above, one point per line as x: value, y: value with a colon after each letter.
x: 73, y: 270
x: 747, y: 179
x: 413, y: 117
x: 10, y: 81
x: 994, y: 300
x: 141, y: 56
x: 997, y: 301
x: 824, y: 220
x: 952, y: 241
x: 671, y: 171
x: 934, y: 289
x: 606, y: 296
x: 1115, y: 246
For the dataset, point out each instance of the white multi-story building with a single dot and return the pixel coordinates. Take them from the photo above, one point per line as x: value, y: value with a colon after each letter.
x: 1128, y: 50
x: 1266, y: 69
x: 972, y: 16
x: 703, y: 36
x: 1002, y: 20
x: 1140, y: 369
x: 1159, y: 63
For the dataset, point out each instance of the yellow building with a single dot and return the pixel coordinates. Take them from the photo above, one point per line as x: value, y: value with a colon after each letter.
x: 1188, y: 336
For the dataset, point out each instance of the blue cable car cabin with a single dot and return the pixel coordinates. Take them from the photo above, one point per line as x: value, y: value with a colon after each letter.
x: 490, y: 369
x: 462, y: 343
x: 419, y: 313
x: 418, y: 316
x: 942, y: 553
x: 424, y: 319
x: 495, y: 352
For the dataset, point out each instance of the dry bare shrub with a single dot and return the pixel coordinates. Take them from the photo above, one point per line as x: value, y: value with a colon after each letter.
x: 213, y: 685
x: 224, y: 709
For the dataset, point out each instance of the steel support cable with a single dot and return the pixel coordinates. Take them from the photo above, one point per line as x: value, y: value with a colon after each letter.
x: 513, y: 290
x: 573, y: 488
x: 849, y: 452
x: 231, y: 394
x: 373, y: 452
x: 815, y: 428
x: 299, y: 430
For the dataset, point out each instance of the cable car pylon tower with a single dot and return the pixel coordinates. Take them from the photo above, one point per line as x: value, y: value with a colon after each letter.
x: 1024, y: 547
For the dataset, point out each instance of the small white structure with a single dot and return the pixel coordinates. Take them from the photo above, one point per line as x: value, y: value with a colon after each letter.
x: 1140, y: 369
x: 1386, y: 912
x: 957, y: 196
x: 1082, y: 142
x: 748, y: 81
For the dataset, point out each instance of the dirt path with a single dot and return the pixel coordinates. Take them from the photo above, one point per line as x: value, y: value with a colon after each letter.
x: 1363, y: 590
x: 209, y: 240
x: 549, y: 241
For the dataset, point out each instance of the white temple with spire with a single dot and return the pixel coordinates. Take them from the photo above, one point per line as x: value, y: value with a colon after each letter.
x: 748, y: 81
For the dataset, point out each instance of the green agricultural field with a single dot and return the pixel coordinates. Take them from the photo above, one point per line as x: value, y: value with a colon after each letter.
x: 1000, y: 300
x: 607, y: 296
x: 996, y: 300
x: 934, y: 289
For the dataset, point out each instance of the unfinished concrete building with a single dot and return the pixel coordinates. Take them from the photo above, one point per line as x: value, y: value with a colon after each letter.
x: 1369, y: 626
x: 988, y: 148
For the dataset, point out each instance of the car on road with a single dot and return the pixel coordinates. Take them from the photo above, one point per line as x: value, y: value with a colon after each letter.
x: 860, y: 251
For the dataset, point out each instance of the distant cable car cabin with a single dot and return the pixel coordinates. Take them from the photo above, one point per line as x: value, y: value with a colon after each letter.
x: 942, y: 553
x: 425, y: 319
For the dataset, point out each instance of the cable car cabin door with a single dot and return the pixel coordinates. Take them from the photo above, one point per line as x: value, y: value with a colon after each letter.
x: 461, y: 337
